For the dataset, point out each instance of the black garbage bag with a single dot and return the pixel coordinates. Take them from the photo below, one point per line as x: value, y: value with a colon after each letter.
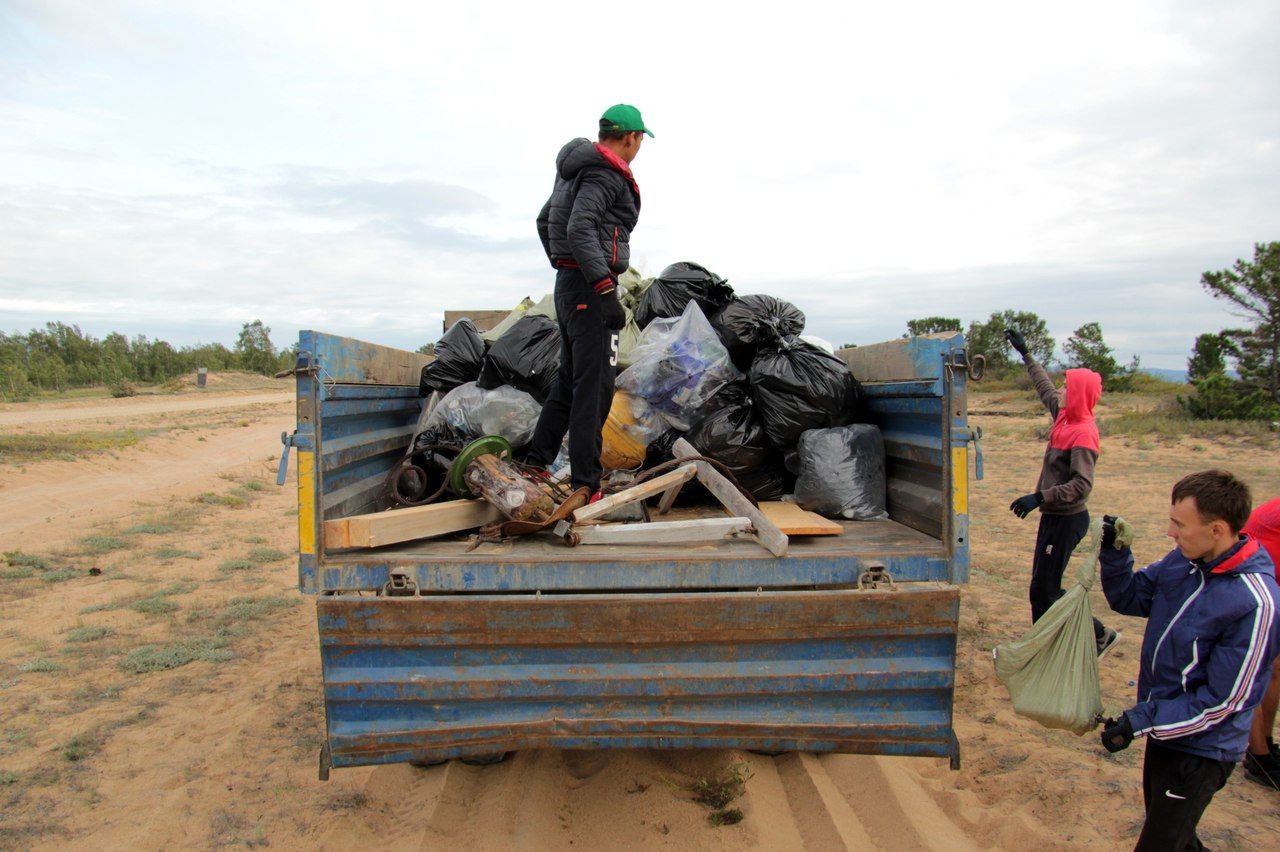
x: 526, y: 357
x: 732, y: 434
x: 797, y: 387
x: 458, y: 357
x: 679, y: 283
x: 749, y: 320
x: 842, y: 473
x: 660, y: 449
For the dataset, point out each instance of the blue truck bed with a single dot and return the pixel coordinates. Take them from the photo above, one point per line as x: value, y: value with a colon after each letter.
x: 431, y: 650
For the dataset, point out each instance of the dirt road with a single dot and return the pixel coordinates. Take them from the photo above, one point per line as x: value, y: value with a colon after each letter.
x: 51, y: 500
x: 174, y: 699
x: 26, y: 414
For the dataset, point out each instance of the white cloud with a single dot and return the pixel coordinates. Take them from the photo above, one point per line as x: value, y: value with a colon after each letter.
x: 311, y: 163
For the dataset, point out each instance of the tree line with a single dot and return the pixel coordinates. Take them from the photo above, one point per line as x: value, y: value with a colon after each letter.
x: 60, y: 356
x: 1251, y: 351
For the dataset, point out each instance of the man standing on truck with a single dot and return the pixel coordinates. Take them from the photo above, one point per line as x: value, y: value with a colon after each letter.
x: 1066, y: 480
x: 585, y: 228
x: 1211, y: 640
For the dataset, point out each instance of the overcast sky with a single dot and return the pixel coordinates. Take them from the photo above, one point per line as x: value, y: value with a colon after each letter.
x: 177, y: 168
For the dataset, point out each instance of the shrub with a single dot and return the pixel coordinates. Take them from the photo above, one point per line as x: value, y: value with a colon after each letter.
x: 122, y: 388
x: 1223, y: 398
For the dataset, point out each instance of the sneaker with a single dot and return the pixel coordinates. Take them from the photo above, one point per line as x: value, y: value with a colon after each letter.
x: 1262, y: 769
x: 596, y: 497
x: 1108, y: 641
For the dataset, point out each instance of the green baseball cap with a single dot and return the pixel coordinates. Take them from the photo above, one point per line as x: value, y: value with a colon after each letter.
x: 623, y: 117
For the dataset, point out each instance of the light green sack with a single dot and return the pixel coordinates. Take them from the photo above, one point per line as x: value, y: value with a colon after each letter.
x: 1052, y: 671
x: 511, y: 319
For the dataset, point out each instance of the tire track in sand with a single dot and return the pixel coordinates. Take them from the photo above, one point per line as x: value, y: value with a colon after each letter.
x: 549, y: 799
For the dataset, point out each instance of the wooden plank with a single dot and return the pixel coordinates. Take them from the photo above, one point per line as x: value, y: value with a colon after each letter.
x: 669, y: 498
x: 705, y: 531
x: 381, y: 528
x: 793, y: 520
x: 639, y: 492
x: 767, y: 532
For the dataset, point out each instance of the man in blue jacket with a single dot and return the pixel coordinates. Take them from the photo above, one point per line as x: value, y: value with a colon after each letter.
x: 1212, y: 634
x: 585, y: 228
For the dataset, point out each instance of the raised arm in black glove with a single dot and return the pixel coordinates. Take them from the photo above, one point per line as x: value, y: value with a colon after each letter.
x: 1027, y: 504
x: 1117, y: 734
x: 1017, y: 341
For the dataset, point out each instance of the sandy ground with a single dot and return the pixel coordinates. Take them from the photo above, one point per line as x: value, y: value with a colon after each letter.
x: 191, y: 545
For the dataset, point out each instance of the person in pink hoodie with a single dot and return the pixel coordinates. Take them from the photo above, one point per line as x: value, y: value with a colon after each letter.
x: 1066, y: 480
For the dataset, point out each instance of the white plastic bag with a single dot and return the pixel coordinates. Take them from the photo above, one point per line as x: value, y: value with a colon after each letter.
x: 678, y: 365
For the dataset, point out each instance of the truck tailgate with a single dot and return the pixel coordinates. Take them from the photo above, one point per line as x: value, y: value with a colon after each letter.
x: 425, y: 678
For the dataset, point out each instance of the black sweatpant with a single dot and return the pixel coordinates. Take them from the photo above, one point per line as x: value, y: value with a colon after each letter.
x: 1055, y: 541
x: 580, y: 400
x: 1176, y: 788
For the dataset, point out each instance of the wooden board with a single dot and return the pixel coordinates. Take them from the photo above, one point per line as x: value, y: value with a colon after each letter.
x: 705, y: 531
x: 639, y: 492
x: 793, y: 520
x: 379, y: 528
x: 770, y: 537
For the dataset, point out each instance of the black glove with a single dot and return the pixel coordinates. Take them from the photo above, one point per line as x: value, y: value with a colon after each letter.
x: 1109, y: 531
x: 1017, y: 341
x: 1024, y: 506
x: 1117, y: 734
x: 611, y: 310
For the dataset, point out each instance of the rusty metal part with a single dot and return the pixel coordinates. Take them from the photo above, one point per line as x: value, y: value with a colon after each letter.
x: 433, y: 456
x: 507, y: 529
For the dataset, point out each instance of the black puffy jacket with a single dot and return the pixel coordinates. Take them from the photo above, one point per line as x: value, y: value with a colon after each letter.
x: 587, y: 221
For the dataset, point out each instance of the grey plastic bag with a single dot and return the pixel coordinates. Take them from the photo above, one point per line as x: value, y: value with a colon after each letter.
x: 841, y: 472
x: 1052, y: 671
x: 473, y: 412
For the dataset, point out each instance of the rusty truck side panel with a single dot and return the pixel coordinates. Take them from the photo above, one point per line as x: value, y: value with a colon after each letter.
x: 421, y: 679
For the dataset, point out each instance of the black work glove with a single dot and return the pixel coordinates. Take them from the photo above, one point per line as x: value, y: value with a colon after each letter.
x: 1024, y: 506
x: 1017, y: 341
x: 1117, y: 734
x: 1109, y: 531
x: 611, y: 310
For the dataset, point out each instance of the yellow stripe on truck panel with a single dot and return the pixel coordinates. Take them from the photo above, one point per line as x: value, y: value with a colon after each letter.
x: 306, y: 501
x: 960, y: 480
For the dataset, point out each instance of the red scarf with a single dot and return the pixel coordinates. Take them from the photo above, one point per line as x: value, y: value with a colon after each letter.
x: 619, y: 165
x: 1075, y: 426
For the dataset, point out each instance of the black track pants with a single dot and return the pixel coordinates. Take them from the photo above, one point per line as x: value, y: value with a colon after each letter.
x: 1055, y: 540
x: 1176, y: 788
x: 583, y: 392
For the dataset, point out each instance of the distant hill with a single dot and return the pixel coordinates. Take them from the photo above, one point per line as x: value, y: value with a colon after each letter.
x: 1167, y: 375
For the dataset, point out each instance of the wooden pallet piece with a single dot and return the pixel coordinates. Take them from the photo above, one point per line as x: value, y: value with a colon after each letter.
x: 379, y: 528
x: 638, y: 492
x: 793, y: 520
x: 767, y: 532
x: 702, y: 531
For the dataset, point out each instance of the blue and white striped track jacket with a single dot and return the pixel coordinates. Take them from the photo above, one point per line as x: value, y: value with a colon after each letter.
x: 1212, y: 633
